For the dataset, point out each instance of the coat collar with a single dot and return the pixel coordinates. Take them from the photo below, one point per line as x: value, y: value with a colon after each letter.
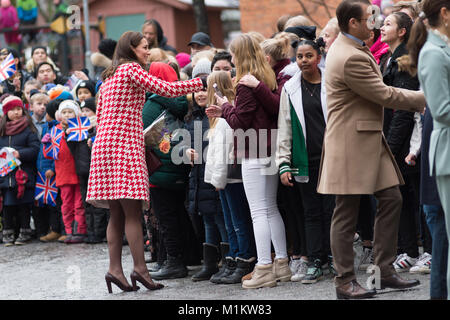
x: 355, y: 44
x: 437, y: 41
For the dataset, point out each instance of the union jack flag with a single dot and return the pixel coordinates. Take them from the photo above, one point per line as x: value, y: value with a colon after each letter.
x: 46, y: 190
x: 79, y: 127
x: 51, y: 149
x: 7, y: 68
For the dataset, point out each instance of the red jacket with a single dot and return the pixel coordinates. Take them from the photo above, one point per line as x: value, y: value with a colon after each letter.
x: 65, y: 165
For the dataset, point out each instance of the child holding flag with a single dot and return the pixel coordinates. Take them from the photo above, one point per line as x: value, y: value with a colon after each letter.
x: 66, y: 177
x: 17, y: 186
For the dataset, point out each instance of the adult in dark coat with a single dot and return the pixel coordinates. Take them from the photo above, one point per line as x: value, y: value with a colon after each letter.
x: 154, y: 34
x: 398, y: 127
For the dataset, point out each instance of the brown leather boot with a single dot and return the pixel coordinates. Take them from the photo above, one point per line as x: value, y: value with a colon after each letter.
x: 396, y: 282
x: 353, y: 290
x: 248, y: 276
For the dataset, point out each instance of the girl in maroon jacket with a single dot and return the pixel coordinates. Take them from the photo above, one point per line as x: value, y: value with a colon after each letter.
x: 253, y: 125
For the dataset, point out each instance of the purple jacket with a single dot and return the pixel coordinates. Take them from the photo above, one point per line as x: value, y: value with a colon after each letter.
x: 249, y: 113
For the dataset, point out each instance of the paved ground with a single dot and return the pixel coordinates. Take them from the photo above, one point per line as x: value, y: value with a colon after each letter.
x: 57, y: 271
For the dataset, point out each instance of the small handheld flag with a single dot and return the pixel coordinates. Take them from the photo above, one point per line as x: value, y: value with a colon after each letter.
x: 51, y: 149
x: 79, y: 127
x: 46, y: 190
x: 7, y: 68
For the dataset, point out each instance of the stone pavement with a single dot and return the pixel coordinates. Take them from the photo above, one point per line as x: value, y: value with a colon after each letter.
x: 54, y: 271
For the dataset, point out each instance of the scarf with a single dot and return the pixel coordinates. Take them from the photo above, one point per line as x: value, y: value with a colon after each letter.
x: 16, y: 126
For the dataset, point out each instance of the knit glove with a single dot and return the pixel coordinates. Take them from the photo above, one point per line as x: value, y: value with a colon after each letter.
x: 46, y: 138
x: 21, y: 178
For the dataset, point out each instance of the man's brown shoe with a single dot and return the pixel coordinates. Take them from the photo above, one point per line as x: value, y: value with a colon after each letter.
x: 353, y: 290
x: 396, y: 282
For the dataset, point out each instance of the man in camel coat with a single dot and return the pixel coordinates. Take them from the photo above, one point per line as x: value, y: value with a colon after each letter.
x: 356, y: 159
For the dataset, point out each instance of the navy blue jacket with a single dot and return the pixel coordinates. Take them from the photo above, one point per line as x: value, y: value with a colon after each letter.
x: 428, y: 188
x: 203, y: 197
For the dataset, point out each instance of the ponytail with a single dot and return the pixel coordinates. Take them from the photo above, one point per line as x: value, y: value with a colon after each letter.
x: 430, y: 11
x: 417, y: 39
x: 278, y: 47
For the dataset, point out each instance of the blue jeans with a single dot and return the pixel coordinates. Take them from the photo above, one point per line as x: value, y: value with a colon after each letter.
x: 238, y: 221
x: 215, y: 231
x: 436, y: 223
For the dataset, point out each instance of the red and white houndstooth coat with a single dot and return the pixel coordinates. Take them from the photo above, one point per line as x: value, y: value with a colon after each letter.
x: 118, y: 169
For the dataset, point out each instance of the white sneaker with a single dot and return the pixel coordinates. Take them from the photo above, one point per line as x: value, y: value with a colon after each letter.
x: 366, y: 259
x: 301, y: 271
x: 294, y: 264
x: 404, y: 263
x: 423, y: 264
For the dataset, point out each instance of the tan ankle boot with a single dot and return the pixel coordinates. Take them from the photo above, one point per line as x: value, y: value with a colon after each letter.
x: 281, y: 270
x: 262, y: 277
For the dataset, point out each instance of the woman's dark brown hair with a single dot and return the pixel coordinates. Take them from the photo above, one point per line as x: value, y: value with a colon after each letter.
x: 403, y: 21
x: 431, y: 11
x: 124, y: 52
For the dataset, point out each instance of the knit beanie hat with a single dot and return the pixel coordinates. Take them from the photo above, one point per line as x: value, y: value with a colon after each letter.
x: 10, y: 103
x: 183, y: 59
x: 107, y: 47
x: 163, y: 71
x: 203, y: 66
x: 60, y: 92
x: 70, y: 104
x: 38, y: 47
x: 52, y: 107
x: 88, y: 85
x: 90, y: 104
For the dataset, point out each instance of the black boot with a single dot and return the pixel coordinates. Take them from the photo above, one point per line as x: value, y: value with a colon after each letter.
x: 172, y: 268
x: 228, y: 268
x: 243, y: 267
x: 224, y: 248
x: 210, y: 257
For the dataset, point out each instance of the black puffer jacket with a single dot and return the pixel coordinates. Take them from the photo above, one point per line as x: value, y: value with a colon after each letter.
x: 82, y: 155
x: 203, y: 197
x: 27, y: 144
x: 398, y: 124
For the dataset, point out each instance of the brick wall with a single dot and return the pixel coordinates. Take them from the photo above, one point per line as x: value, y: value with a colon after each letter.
x: 262, y: 15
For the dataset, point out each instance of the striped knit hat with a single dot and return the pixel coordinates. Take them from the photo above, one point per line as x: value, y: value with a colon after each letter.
x: 10, y: 103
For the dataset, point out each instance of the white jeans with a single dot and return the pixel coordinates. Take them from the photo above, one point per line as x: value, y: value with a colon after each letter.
x: 261, y: 192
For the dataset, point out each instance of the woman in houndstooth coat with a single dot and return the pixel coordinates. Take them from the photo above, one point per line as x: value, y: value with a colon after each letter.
x: 118, y: 176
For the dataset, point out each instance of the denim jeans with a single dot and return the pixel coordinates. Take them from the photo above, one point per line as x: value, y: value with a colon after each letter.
x: 436, y: 223
x: 238, y: 223
x: 215, y: 231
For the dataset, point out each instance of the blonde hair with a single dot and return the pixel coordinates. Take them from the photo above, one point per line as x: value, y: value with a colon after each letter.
x: 206, y: 54
x: 257, y: 36
x: 298, y: 21
x: 157, y: 55
x: 277, y: 48
x: 225, y: 86
x: 39, y: 97
x: 333, y: 23
x: 249, y: 58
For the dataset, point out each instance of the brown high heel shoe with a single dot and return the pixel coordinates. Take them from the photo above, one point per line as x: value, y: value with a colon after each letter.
x: 110, y: 278
x: 149, y: 285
